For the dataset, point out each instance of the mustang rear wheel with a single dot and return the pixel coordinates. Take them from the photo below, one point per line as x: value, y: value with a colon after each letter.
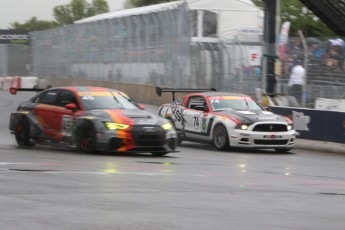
x: 87, y: 139
x: 220, y: 138
x: 22, y: 133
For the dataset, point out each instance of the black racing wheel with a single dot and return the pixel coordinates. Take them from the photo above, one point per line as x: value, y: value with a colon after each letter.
x: 22, y: 133
x: 220, y: 137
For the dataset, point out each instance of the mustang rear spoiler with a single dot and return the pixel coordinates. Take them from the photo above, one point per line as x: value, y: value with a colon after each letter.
x: 160, y: 90
x: 35, y: 88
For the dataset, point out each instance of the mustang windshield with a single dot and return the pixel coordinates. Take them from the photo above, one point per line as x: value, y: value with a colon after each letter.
x: 221, y: 103
x: 105, y: 100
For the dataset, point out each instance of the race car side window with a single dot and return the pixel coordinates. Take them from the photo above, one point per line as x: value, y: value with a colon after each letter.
x: 196, y: 101
x: 179, y: 101
x: 66, y: 97
x: 47, y: 97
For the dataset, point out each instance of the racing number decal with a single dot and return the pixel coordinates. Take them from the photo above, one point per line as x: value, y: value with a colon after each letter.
x: 204, y: 123
x: 196, y: 121
x: 67, y: 125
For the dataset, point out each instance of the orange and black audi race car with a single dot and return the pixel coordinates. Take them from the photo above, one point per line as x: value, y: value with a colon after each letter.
x: 90, y: 119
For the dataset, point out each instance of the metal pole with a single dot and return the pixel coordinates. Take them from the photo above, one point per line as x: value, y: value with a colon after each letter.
x: 269, y: 57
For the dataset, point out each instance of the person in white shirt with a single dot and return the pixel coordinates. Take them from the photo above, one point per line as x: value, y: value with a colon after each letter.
x: 296, y: 81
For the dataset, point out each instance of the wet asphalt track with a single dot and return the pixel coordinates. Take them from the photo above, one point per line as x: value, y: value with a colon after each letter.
x: 196, y: 188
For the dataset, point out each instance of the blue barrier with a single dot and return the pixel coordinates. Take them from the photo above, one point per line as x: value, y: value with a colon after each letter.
x: 317, y: 125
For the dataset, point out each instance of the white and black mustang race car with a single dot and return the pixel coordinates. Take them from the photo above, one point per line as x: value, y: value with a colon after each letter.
x: 227, y: 120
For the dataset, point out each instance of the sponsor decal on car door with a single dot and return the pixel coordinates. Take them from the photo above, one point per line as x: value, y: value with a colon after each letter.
x: 192, y: 118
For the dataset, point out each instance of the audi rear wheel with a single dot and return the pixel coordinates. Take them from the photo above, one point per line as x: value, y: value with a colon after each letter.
x: 22, y: 133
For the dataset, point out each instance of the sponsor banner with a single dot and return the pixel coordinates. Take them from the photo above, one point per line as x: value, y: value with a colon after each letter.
x: 317, y: 125
x: 14, y: 37
x: 283, y: 40
x: 254, y: 57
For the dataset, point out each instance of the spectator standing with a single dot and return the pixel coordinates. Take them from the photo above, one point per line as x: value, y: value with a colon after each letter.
x: 296, y: 81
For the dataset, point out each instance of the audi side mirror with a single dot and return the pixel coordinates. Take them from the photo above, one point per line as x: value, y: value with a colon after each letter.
x: 71, y: 106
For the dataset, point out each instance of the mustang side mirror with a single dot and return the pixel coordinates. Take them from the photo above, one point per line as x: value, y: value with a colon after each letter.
x: 71, y: 106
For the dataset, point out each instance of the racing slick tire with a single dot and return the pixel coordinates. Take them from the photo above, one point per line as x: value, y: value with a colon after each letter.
x: 87, y: 139
x: 220, y: 138
x: 22, y: 133
x: 159, y: 154
x: 282, y: 150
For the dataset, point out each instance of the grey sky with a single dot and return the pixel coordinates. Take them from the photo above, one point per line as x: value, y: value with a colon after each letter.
x: 23, y: 10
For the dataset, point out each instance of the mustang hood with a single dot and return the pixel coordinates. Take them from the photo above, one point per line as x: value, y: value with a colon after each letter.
x: 251, y: 116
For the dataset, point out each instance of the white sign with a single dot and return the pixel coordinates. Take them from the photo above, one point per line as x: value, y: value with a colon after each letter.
x: 254, y: 57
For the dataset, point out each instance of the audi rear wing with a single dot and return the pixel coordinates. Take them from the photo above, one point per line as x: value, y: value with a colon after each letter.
x: 160, y: 90
x: 35, y: 88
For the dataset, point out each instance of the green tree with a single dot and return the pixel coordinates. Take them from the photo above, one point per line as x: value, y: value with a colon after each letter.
x: 65, y: 14
x: 301, y: 19
x: 33, y: 24
x: 139, y: 3
x: 78, y: 9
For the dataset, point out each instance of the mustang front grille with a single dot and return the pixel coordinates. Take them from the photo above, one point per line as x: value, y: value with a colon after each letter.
x: 270, y: 128
x: 271, y: 142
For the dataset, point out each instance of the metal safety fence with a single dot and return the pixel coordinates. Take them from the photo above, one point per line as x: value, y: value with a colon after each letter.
x: 157, y: 47
x: 151, y: 47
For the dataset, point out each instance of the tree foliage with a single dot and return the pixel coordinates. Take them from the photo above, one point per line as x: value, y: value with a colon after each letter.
x: 33, y: 24
x: 65, y: 14
x: 139, y: 3
x: 78, y: 9
x: 301, y: 19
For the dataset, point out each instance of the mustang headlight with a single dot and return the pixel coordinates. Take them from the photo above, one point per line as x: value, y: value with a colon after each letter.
x: 242, y: 126
x: 290, y: 127
x: 114, y: 126
x: 167, y: 126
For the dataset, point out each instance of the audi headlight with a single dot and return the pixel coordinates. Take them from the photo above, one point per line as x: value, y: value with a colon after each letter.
x: 167, y: 126
x: 115, y: 126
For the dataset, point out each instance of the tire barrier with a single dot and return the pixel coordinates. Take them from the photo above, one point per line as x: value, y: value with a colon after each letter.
x: 18, y: 82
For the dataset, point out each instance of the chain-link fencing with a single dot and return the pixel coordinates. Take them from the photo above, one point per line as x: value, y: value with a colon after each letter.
x: 157, y: 47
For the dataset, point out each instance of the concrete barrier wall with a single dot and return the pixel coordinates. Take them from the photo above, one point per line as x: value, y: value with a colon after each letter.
x: 139, y: 92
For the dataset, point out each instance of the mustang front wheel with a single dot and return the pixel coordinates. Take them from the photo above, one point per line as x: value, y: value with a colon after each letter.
x: 220, y: 138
